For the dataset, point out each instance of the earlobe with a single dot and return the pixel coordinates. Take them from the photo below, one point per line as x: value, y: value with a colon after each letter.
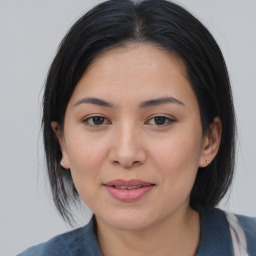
x: 56, y: 129
x: 211, y: 143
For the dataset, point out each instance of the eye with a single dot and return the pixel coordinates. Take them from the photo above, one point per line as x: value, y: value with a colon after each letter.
x: 95, y: 121
x: 161, y: 121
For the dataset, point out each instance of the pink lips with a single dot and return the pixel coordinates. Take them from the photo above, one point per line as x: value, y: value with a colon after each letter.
x: 128, y: 190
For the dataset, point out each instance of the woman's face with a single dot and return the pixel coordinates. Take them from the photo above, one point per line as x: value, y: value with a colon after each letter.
x: 133, y: 137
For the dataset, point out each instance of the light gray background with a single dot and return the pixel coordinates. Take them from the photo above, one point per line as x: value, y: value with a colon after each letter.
x: 30, y: 33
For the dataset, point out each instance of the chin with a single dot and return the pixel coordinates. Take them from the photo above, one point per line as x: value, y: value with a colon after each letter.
x: 130, y: 221
x: 130, y: 225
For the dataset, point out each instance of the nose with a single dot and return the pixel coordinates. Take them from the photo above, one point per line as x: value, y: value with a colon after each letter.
x: 126, y: 148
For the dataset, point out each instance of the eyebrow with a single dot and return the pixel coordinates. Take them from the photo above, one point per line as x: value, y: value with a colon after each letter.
x: 95, y: 101
x: 144, y: 104
x: 160, y: 101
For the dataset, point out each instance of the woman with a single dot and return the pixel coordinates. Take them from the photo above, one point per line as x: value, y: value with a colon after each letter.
x: 139, y: 123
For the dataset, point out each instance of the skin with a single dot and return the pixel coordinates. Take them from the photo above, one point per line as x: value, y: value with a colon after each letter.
x: 128, y: 143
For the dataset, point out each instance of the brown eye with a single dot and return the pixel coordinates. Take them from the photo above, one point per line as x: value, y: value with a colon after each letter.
x: 98, y: 120
x: 95, y: 121
x: 161, y: 121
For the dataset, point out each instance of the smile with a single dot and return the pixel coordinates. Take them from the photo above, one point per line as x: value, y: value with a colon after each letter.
x: 127, y: 191
x: 123, y: 187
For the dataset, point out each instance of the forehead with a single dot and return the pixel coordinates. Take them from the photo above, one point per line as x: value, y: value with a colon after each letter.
x: 141, y: 56
x: 136, y: 70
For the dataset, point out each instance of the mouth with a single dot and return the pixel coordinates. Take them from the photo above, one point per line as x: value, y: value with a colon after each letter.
x: 127, y: 191
x: 129, y: 188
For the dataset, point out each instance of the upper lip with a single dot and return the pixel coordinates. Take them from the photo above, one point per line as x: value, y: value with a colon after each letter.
x: 128, y: 183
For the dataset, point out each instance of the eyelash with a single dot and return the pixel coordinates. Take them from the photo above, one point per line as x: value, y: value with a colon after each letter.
x: 168, y: 119
x: 86, y: 121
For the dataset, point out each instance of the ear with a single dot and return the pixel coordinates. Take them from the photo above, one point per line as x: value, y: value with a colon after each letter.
x: 211, y: 143
x: 56, y: 129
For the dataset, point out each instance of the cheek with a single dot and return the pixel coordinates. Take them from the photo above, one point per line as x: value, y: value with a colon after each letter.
x: 86, y: 157
x: 85, y: 151
x: 177, y: 152
x: 85, y: 165
x: 177, y: 163
x: 177, y: 159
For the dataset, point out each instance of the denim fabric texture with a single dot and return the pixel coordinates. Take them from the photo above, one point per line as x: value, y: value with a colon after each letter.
x: 215, y: 238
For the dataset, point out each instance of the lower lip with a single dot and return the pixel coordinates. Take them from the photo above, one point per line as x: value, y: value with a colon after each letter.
x: 128, y: 195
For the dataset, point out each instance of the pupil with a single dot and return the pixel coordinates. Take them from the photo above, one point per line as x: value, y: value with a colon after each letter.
x: 159, y: 120
x: 98, y: 120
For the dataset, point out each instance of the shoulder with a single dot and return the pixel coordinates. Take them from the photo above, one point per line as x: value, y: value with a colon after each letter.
x: 79, y: 241
x: 58, y: 245
x: 216, y: 237
x: 248, y: 224
x: 243, y: 231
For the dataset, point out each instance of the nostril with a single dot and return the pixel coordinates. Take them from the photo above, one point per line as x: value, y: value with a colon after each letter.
x: 135, y: 163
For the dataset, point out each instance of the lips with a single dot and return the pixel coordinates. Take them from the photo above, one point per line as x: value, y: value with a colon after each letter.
x: 128, y: 190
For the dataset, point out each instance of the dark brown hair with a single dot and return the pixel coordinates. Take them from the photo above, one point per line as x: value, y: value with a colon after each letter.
x: 167, y: 25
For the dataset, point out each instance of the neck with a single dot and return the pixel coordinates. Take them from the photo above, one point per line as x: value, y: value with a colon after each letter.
x: 175, y: 235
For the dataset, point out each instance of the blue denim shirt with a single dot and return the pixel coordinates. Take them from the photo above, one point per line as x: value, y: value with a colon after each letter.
x: 215, y: 238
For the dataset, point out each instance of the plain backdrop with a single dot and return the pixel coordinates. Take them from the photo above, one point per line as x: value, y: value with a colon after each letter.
x: 30, y: 32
